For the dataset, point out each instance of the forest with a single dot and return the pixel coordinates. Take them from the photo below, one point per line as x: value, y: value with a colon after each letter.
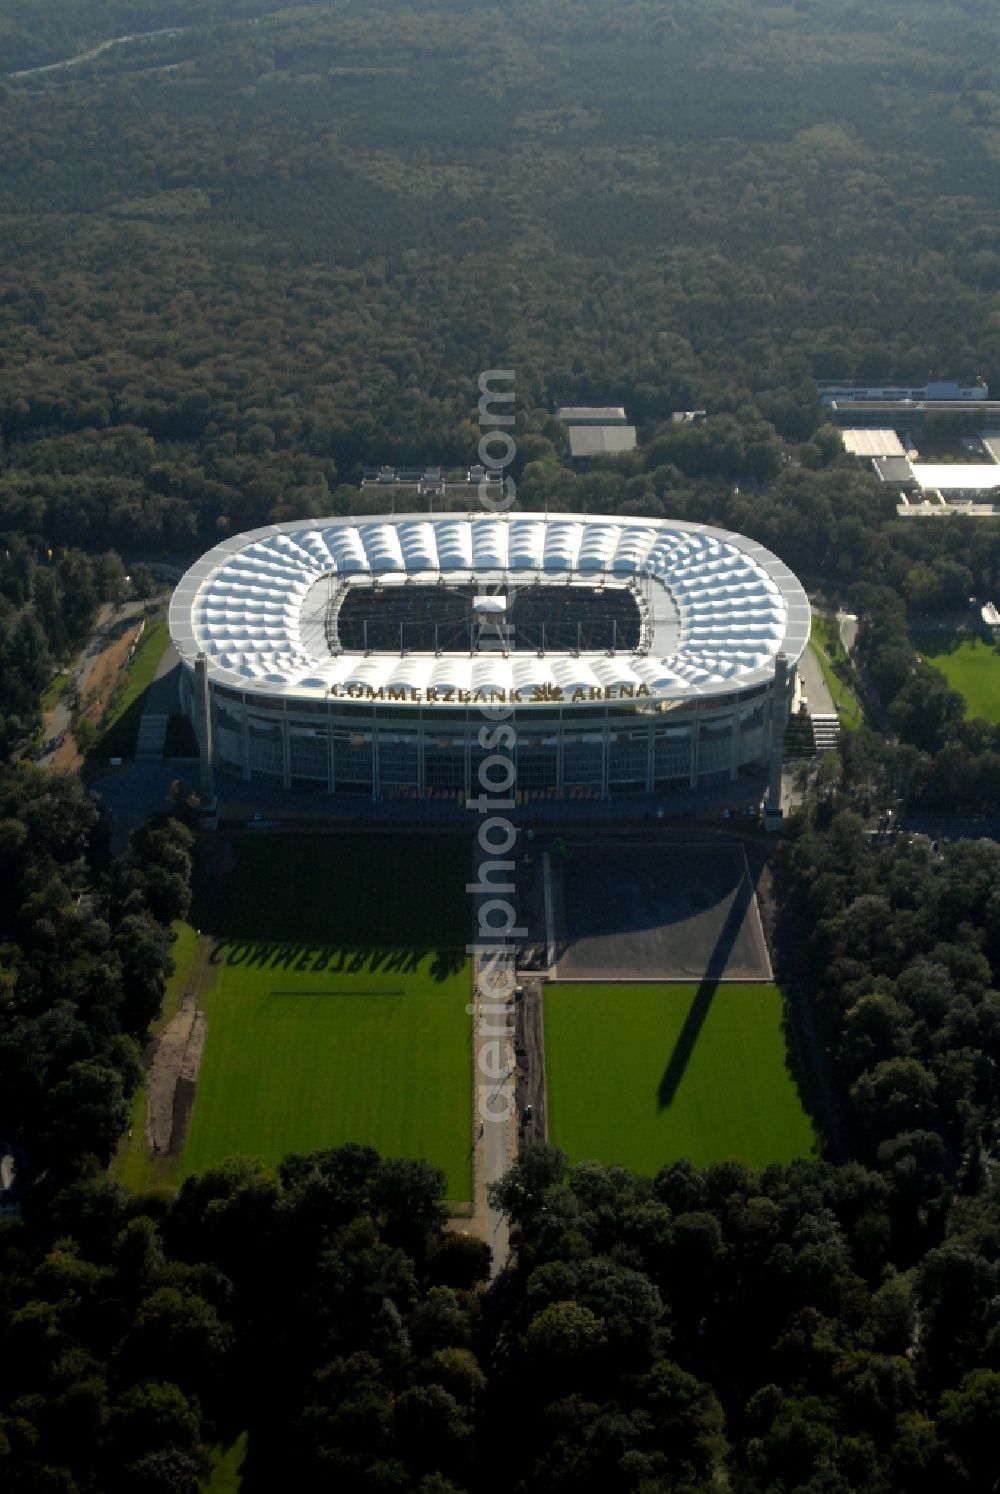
x: 249, y: 250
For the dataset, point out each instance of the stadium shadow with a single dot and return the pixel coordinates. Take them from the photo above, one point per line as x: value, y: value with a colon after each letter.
x: 709, y: 984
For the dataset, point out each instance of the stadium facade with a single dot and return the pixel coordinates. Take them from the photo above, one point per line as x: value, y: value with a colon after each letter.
x: 359, y: 656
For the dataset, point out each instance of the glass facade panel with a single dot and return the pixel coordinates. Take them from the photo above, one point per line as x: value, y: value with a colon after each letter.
x: 715, y: 748
x: 228, y: 738
x: 267, y: 758
x: 672, y: 756
x: 397, y: 764
x: 445, y: 769
x: 628, y: 758
x: 308, y: 756
x: 493, y: 780
x: 581, y: 763
x: 536, y: 769
x: 352, y: 760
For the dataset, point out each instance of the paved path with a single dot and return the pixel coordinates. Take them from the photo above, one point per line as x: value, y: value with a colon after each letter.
x: 493, y: 1041
x: 814, y: 685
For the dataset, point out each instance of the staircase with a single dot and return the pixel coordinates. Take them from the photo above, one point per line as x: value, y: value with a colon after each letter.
x: 151, y: 738
x: 808, y: 736
x: 826, y: 732
x: 798, y: 741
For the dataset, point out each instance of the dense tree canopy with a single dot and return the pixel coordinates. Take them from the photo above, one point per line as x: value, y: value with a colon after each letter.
x: 249, y: 251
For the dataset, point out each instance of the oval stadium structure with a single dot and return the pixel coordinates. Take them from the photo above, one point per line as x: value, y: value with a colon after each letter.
x: 365, y: 655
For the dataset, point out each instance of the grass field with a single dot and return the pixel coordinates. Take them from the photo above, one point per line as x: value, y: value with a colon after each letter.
x: 971, y: 666
x: 117, y: 735
x: 53, y: 692
x: 226, y: 1462
x: 337, y: 1012
x: 642, y: 1075
x: 825, y: 641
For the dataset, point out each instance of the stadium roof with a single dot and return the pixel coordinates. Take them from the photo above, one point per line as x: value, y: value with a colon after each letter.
x: 600, y: 440
x: 862, y: 443
x: 964, y: 477
x: 716, y: 609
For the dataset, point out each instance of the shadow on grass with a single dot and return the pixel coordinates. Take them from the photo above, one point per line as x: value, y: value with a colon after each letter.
x: 950, y: 641
x: 815, y: 1079
x: 308, y: 904
x: 120, y: 737
x: 701, y: 1005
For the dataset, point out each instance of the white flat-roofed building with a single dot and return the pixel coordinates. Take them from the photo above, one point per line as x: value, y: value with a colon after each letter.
x: 845, y: 391
x: 957, y: 477
x: 872, y: 443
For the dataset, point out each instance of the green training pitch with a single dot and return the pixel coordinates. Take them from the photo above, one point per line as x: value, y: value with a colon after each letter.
x: 337, y: 1008
x: 971, y: 666
x: 643, y: 1075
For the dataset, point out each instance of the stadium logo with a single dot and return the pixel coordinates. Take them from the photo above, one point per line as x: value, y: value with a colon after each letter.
x: 545, y: 694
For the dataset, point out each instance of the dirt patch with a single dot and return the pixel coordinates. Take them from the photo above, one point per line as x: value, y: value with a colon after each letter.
x: 173, y: 1059
x: 105, y: 673
x: 110, y: 648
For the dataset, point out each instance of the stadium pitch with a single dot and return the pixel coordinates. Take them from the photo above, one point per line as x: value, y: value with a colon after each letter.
x: 642, y: 1075
x: 674, y: 912
x: 337, y: 1009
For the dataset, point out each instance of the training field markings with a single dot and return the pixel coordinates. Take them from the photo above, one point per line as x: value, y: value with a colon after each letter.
x: 339, y: 991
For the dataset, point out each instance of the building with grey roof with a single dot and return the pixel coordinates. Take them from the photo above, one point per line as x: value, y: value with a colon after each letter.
x: 587, y: 441
x: 592, y: 415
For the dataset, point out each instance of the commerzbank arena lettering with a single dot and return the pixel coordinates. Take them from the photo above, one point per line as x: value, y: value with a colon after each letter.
x: 540, y: 695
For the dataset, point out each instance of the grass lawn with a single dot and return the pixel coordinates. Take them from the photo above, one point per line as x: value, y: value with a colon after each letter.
x: 337, y: 1012
x: 825, y: 641
x: 117, y: 735
x: 224, y: 1477
x: 642, y: 1075
x: 53, y: 692
x: 971, y: 666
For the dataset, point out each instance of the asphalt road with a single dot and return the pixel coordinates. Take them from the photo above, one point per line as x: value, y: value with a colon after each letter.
x: 814, y: 685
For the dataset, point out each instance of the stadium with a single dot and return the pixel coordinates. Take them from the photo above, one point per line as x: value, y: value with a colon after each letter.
x: 358, y: 656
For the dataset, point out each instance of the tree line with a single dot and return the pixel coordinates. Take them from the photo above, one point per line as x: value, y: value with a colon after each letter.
x: 85, y: 944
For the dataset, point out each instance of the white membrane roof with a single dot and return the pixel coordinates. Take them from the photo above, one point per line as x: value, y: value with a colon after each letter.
x: 717, y: 607
x: 957, y: 476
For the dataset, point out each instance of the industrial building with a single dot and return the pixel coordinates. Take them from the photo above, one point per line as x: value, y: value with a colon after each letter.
x: 596, y: 430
